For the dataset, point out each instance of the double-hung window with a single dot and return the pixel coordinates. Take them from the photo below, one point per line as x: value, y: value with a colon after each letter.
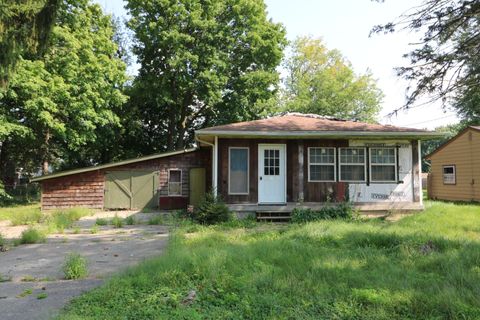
x: 353, y: 164
x: 383, y: 165
x: 321, y: 164
x: 238, y: 170
x: 449, y: 174
x: 174, y: 182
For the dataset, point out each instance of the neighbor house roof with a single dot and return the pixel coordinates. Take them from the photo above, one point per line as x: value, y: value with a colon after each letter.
x: 110, y: 165
x: 296, y: 124
x: 475, y: 128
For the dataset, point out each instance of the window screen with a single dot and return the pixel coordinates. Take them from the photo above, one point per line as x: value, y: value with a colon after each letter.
x: 238, y: 176
x: 352, y: 164
x: 321, y: 164
x: 174, y: 182
x: 383, y: 165
x: 449, y: 176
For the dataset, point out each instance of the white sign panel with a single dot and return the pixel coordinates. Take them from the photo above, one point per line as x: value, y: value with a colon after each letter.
x: 386, y: 192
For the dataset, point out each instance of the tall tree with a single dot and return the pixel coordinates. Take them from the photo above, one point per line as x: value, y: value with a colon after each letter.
x: 62, y: 100
x: 439, y: 64
x: 202, y: 63
x: 322, y: 81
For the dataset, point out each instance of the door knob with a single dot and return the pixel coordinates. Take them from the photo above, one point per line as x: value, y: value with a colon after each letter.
x: 260, y: 178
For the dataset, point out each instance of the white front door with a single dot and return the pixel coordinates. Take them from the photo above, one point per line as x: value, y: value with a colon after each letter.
x: 271, y: 173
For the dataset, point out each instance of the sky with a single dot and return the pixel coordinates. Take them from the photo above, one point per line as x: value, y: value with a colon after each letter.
x: 345, y: 25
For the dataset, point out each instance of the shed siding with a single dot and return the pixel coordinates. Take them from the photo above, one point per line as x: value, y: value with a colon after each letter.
x: 87, y: 189
x: 464, y: 153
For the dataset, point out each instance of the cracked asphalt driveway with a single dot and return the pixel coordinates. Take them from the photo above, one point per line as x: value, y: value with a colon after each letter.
x: 34, y: 288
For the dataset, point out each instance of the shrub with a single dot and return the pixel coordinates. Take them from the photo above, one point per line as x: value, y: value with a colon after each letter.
x: 130, y: 220
x: 211, y: 210
x: 75, y: 267
x: 117, y: 222
x: 25, y: 216
x: 343, y: 210
x: 101, y: 222
x: 156, y: 219
x: 31, y: 235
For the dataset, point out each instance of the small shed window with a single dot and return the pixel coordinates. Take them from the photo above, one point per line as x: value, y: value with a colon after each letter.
x: 238, y: 170
x: 449, y: 173
x: 321, y: 164
x: 174, y: 182
x: 353, y: 164
x: 383, y: 164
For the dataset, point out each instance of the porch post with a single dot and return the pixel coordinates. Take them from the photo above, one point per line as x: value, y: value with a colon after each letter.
x: 420, y: 170
x: 301, y: 196
x: 215, y: 167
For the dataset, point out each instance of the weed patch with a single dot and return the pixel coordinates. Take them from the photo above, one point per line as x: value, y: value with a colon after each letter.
x: 30, y: 236
x: 75, y: 267
x: 101, y: 222
x: 117, y: 222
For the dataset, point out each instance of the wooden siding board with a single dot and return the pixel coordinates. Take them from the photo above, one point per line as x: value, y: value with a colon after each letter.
x: 464, y: 153
x: 87, y: 189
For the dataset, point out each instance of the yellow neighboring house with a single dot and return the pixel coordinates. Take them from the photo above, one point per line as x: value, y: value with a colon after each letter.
x: 455, y: 168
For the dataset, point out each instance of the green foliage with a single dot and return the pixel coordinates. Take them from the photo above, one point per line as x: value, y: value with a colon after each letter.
x: 25, y: 293
x: 21, y: 215
x: 3, y: 242
x: 342, y: 210
x: 444, y: 61
x: 322, y: 81
x: 117, y: 222
x: 211, y: 210
x: 64, y: 219
x: 94, y: 229
x: 70, y: 96
x: 155, y: 220
x: 42, y: 295
x: 330, y: 269
x: 74, y: 267
x: 31, y: 235
x: 130, y: 220
x: 4, y: 196
x: 101, y: 222
x: 428, y: 146
x: 217, y: 61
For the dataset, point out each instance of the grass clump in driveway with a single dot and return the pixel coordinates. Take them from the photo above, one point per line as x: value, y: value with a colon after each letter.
x: 117, y: 222
x: 101, y: 222
x: 30, y: 236
x: 60, y: 220
x: 75, y: 267
x: 426, y: 266
x: 130, y: 220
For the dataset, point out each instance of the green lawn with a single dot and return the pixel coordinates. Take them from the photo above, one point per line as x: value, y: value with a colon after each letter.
x: 21, y: 214
x: 425, y: 266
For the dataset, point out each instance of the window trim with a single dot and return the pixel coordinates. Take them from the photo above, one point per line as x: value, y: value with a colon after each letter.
x: 365, y: 164
x: 181, y: 182
x: 334, y: 164
x: 454, y: 174
x: 248, y: 171
x: 382, y: 164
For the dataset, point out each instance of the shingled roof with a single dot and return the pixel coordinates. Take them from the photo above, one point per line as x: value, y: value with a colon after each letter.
x: 297, y: 123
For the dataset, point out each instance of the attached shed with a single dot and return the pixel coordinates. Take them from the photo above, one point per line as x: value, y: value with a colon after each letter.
x: 168, y: 180
x: 455, y: 168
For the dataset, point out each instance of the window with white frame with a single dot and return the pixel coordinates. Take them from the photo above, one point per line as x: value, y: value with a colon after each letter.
x: 383, y: 164
x: 352, y: 164
x: 449, y: 174
x: 238, y: 170
x: 174, y: 182
x: 321, y: 164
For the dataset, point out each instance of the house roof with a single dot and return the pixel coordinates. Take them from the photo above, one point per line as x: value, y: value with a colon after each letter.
x: 475, y: 128
x: 297, y: 124
x: 110, y: 165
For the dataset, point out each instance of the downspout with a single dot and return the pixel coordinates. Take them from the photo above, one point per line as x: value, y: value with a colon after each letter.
x: 214, y: 161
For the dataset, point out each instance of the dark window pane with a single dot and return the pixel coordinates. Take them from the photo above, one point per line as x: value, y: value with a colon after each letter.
x: 238, y: 170
x: 447, y: 169
x: 383, y: 173
x: 277, y: 171
x: 265, y: 171
x: 322, y: 173
x: 352, y: 173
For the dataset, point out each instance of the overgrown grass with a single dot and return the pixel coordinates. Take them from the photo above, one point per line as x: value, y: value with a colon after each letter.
x: 75, y: 267
x: 30, y: 236
x: 426, y: 266
x: 101, y: 222
x: 21, y: 215
x: 117, y: 222
x: 60, y: 220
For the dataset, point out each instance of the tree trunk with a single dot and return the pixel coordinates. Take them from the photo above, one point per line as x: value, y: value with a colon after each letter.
x: 46, y: 155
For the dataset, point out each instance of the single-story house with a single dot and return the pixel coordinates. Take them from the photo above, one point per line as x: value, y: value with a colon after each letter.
x: 455, y: 168
x: 271, y: 164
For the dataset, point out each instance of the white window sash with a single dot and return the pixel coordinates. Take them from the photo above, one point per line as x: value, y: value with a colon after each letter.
x: 248, y: 170
x: 384, y: 164
x: 177, y: 183
x: 364, y: 164
x: 334, y: 164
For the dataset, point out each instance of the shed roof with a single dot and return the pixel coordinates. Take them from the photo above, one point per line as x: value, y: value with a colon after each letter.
x: 110, y: 165
x: 310, y: 124
x: 475, y: 128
